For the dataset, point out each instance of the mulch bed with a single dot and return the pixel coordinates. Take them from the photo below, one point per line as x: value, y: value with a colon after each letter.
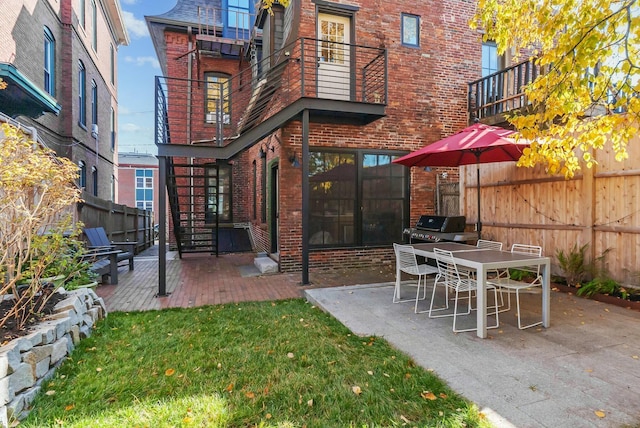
x: 604, y: 298
x: 10, y: 329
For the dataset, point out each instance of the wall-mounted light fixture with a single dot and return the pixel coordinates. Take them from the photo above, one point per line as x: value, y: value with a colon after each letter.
x: 293, y: 159
x: 263, y: 154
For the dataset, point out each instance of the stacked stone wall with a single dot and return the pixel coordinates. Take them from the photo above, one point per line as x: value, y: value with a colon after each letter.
x: 28, y: 361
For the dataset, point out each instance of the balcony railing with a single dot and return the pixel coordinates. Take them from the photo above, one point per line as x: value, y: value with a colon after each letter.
x: 501, y: 92
x: 228, y: 23
x: 193, y: 111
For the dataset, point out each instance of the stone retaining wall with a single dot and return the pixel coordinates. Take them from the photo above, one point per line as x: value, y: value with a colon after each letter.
x: 28, y: 361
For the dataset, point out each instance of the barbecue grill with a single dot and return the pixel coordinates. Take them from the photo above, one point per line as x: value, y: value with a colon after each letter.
x: 435, y: 228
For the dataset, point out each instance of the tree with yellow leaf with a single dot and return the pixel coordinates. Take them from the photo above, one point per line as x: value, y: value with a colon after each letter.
x: 589, y: 92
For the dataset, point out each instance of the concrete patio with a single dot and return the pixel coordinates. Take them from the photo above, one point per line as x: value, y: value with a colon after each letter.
x: 583, y: 371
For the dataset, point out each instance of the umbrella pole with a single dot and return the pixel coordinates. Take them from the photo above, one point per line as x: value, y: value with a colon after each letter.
x: 479, y: 224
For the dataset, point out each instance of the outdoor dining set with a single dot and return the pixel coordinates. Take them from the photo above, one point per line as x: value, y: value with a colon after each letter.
x: 466, y: 273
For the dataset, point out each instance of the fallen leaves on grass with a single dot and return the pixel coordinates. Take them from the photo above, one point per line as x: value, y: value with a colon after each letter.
x: 169, y: 372
x: 428, y: 395
x: 356, y: 390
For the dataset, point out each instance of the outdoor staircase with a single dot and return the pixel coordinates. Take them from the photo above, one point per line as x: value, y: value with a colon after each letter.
x: 285, y: 86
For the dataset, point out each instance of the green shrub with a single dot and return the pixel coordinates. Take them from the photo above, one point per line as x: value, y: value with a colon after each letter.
x: 574, y: 265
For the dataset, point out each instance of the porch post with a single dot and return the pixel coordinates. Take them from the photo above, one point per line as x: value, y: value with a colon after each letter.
x: 162, y: 230
x: 305, y: 197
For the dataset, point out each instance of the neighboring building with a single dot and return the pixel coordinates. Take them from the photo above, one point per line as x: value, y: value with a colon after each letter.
x: 289, y: 127
x: 59, y: 60
x: 138, y: 181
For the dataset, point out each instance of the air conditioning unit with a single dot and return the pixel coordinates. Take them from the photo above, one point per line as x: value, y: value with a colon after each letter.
x: 94, y: 130
x: 211, y: 118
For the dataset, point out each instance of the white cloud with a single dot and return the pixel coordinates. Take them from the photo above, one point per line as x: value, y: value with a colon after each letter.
x: 141, y: 61
x: 130, y: 127
x: 129, y: 2
x: 135, y: 27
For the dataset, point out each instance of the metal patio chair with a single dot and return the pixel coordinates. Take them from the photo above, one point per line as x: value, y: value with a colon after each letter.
x: 407, y: 262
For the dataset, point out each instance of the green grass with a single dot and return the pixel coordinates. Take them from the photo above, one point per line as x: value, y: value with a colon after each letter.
x: 273, y: 364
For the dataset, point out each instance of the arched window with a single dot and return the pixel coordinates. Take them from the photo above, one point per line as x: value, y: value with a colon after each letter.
x: 82, y: 94
x: 49, y: 62
x: 82, y: 174
x: 94, y: 102
x: 94, y: 178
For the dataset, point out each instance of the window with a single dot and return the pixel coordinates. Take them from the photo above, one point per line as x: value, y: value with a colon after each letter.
x: 49, y: 62
x: 216, y: 97
x: 112, y: 124
x: 94, y: 102
x: 144, y: 189
x: 94, y: 26
x: 218, y: 193
x: 410, y: 30
x: 113, y: 188
x: 82, y: 175
x: 112, y: 64
x: 94, y: 178
x: 82, y: 17
x: 255, y: 190
x: 238, y: 14
x: 82, y: 95
x: 490, y: 59
x: 356, y: 198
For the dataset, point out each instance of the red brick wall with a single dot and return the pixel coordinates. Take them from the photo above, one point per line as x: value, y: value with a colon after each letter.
x: 427, y: 100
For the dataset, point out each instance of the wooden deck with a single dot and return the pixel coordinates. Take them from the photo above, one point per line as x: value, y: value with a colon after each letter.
x: 202, y: 279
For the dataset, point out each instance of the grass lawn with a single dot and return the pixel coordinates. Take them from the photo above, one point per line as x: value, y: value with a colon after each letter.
x: 269, y: 364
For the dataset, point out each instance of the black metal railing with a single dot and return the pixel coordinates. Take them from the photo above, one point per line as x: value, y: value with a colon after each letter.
x: 501, y: 92
x: 194, y: 111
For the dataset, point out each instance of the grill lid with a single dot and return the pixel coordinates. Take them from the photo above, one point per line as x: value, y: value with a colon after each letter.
x: 436, y: 223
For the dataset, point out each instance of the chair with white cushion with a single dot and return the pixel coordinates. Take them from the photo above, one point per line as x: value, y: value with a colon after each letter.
x: 407, y: 262
x: 462, y: 284
x: 508, y: 285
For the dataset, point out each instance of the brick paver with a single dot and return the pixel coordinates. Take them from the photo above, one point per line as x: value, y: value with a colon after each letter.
x: 203, y: 279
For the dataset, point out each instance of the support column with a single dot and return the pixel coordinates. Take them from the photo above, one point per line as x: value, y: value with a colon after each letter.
x: 162, y: 229
x: 305, y: 197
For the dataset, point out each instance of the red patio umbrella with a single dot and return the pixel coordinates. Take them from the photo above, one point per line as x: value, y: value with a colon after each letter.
x: 477, y: 144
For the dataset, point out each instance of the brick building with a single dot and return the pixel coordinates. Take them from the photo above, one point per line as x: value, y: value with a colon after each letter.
x: 287, y: 123
x: 59, y: 60
x: 138, y: 181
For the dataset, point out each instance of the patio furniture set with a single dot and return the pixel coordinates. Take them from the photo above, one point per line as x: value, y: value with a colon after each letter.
x: 468, y: 272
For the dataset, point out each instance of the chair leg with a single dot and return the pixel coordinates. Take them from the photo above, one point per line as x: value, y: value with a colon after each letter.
x: 520, y: 326
x: 433, y: 298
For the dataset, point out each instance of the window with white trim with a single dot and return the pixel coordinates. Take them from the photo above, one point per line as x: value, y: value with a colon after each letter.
x: 144, y: 189
x: 82, y: 94
x: 49, y: 62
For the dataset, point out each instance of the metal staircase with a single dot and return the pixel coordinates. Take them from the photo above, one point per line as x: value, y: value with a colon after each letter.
x: 252, y: 105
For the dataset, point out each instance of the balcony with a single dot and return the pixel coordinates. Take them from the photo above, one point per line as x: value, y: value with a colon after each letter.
x: 492, y: 96
x: 336, y: 83
x: 223, y: 32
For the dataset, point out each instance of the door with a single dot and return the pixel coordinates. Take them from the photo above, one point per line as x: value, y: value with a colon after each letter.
x: 275, y: 209
x: 334, y: 64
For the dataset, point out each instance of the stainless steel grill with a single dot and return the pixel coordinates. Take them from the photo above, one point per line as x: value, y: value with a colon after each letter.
x: 434, y: 228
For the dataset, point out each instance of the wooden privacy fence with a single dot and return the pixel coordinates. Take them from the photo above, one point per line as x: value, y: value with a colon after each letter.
x: 599, y: 206
x: 122, y: 223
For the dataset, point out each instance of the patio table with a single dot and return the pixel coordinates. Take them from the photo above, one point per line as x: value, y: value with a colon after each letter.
x: 484, y: 260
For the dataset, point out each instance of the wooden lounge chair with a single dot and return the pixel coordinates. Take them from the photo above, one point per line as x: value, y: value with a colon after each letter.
x: 98, y: 239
